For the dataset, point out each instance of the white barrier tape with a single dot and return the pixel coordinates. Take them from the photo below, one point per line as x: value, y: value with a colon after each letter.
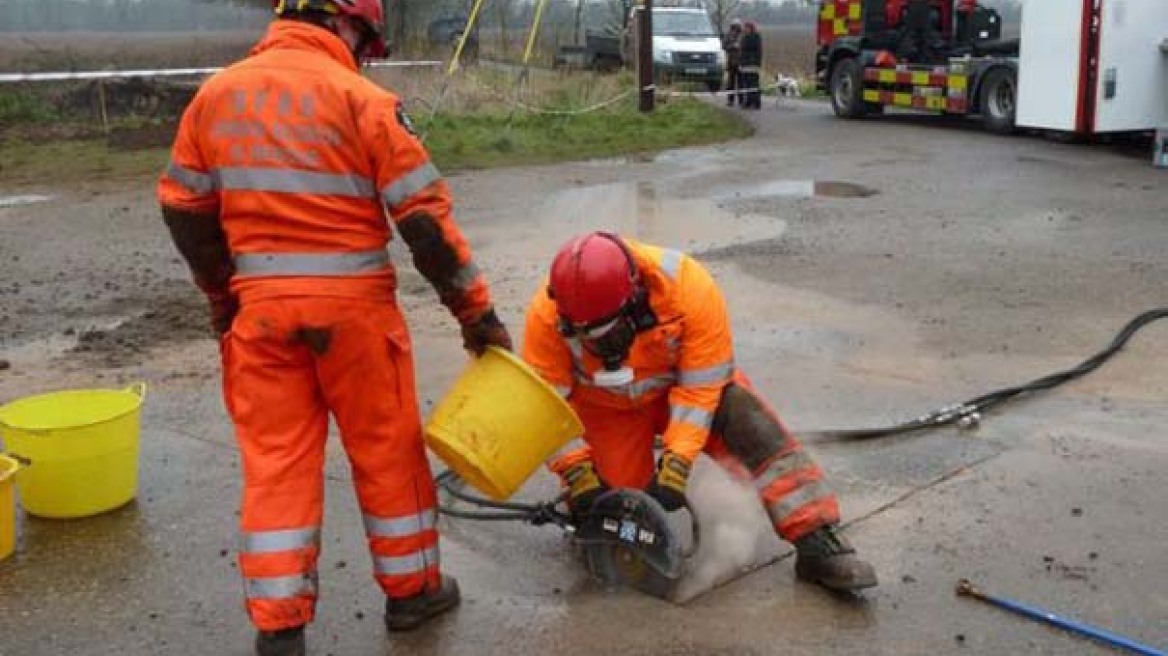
x: 399, y: 64
x: 721, y: 93
x: 102, y: 75
x: 161, y: 72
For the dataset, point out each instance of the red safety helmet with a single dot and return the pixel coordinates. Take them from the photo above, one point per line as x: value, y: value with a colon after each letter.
x: 593, y: 279
x: 369, y: 14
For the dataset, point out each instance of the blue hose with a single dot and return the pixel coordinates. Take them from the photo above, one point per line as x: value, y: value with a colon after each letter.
x: 965, y: 588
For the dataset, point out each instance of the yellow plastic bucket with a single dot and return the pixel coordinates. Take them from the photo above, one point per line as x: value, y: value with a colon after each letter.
x: 8, y: 469
x: 499, y: 423
x: 82, y: 448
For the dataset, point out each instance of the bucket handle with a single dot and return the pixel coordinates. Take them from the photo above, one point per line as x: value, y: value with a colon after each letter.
x: 138, y: 389
x: 20, y: 460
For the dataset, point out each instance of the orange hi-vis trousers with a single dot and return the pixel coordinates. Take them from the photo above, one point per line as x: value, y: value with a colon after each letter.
x: 287, y: 364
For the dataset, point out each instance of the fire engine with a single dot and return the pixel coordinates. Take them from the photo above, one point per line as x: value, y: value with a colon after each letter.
x: 1079, y: 66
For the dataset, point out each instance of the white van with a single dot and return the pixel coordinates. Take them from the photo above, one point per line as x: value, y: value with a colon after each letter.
x: 685, y: 46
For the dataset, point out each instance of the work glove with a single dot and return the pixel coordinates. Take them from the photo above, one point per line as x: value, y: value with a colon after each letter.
x: 584, y: 486
x: 668, y: 486
x: 485, y: 331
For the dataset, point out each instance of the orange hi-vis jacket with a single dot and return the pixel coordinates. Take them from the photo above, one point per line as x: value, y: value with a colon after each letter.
x: 686, y: 360
x: 301, y: 168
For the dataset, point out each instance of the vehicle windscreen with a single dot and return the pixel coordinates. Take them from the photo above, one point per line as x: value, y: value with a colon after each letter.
x: 667, y: 23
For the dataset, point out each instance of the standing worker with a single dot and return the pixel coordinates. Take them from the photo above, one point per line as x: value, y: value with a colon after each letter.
x: 751, y: 66
x: 731, y: 44
x: 637, y: 338
x: 284, y: 174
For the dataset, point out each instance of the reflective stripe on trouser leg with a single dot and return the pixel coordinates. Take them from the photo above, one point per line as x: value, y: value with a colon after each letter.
x: 795, y: 495
x: 281, y: 424
x: 788, y: 481
x: 382, y: 435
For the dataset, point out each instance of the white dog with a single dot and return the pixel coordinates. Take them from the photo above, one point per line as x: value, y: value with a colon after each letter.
x: 787, y: 87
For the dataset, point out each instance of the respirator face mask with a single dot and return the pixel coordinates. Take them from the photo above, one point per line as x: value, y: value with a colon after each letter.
x: 611, y: 340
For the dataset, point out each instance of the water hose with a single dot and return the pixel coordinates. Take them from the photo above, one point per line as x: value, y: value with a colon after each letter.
x: 966, y: 589
x: 969, y: 413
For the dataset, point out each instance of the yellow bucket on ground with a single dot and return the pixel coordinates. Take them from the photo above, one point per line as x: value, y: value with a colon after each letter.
x: 499, y: 423
x: 82, y: 448
x: 8, y: 469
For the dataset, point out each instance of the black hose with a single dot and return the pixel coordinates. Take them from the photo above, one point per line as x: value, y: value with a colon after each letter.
x: 533, y: 513
x: 969, y: 412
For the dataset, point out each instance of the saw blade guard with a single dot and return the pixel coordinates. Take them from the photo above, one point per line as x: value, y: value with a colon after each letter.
x: 628, y: 539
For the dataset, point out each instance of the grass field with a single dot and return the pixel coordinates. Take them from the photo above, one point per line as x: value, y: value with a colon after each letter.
x: 486, y: 115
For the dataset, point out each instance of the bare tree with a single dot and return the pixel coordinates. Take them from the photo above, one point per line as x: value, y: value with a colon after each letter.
x: 722, y: 12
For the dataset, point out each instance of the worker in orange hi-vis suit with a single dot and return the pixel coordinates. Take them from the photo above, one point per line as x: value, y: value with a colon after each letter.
x: 637, y: 338
x: 287, y: 172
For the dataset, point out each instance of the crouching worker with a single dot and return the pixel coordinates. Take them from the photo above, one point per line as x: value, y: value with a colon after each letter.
x: 637, y: 338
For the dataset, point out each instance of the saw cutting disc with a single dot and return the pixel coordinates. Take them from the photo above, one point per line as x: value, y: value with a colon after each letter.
x: 619, y: 565
x: 627, y: 540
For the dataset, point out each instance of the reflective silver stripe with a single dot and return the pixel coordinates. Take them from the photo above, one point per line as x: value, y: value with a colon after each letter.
x: 396, y: 192
x: 671, y: 262
x: 309, y: 264
x: 281, y: 587
x: 294, y: 181
x: 400, y: 527
x: 708, y: 375
x: 465, y: 276
x: 282, y: 540
x: 577, y: 350
x: 573, y: 445
x: 780, y: 467
x: 780, y: 510
x: 200, y: 183
x: 691, y: 415
x: 649, y: 384
x: 634, y: 389
x: 414, y: 563
x: 563, y: 390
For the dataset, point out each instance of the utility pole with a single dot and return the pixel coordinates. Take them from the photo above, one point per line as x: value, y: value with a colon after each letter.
x: 645, y: 55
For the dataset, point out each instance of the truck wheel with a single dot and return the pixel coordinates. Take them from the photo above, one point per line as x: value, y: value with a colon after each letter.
x: 999, y: 100
x: 847, y: 89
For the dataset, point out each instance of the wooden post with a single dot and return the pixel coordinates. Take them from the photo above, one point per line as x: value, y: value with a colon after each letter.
x: 645, y: 56
x: 101, y: 107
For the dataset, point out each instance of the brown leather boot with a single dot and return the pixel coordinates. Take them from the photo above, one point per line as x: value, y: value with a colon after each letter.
x: 410, y: 613
x: 828, y: 559
x: 285, y: 642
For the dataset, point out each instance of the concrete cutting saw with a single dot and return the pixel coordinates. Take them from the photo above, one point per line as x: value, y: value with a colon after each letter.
x: 626, y: 536
x: 628, y: 539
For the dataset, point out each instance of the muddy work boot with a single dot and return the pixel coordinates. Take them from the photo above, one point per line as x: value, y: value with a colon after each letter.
x: 828, y: 559
x: 410, y: 613
x: 285, y: 642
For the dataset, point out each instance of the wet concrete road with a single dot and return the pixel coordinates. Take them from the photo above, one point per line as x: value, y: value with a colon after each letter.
x: 950, y: 263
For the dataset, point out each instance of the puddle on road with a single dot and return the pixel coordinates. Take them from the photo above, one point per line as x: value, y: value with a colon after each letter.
x: 29, y: 199
x: 800, y: 189
x: 644, y: 211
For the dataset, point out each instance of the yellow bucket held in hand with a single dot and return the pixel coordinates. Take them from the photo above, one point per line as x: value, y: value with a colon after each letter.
x: 81, y: 447
x: 8, y: 468
x: 499, y: 423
